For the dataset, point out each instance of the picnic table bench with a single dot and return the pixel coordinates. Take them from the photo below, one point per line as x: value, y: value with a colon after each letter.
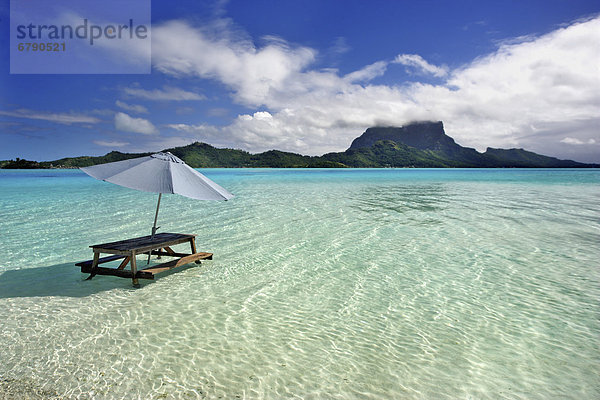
x: 160, y: 245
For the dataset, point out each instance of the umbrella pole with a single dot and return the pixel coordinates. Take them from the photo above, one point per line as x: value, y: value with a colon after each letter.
x: 154, y: 228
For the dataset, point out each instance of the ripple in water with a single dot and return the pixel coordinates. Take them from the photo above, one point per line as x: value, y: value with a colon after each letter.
x: 344, y: 284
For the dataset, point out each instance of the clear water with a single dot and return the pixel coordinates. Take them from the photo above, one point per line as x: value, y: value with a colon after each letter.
x: 345, y: 284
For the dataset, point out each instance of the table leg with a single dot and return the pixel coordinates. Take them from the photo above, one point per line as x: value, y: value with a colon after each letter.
x: 193, y: 244
x: 134, y: 270
x: 94, y: 265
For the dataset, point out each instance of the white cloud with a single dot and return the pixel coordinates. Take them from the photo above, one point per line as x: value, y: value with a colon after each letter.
x: 166, y: 93
x: 110, y: 144
x: 523, y: 95
x: 182, y: 50
x: 188, y: 128
x: 570, y: 140
x: 136, y: 108
x: 367, y: 73
x: 60, y: 118
x: 526, y: 89
x: 125, y: 123
x: 202, y: 133
x: 416, y: 61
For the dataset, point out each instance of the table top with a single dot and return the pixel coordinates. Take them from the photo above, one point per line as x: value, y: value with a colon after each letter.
x: 145, y: 243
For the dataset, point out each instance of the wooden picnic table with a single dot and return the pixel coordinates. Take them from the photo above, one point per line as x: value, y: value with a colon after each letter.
x: 128, y: 249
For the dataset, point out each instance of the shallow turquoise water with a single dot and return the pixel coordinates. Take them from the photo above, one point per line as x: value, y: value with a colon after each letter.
x: 349, y: 284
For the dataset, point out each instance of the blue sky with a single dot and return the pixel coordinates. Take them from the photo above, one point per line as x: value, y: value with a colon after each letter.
x: 310, y: 76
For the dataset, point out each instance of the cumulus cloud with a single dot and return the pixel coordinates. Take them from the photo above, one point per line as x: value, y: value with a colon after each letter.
x: 166, y: 93
x: 182, y: 50
x: 136, y: 108
x: 416, y: 61
x: 125, y: 123
x: 527, y: 88
x: 525, y: 94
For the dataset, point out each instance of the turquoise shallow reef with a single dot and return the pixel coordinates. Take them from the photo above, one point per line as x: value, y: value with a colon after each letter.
x: 346, y: 284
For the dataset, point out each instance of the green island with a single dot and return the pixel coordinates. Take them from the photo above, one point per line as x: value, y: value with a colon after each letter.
x: 416, y: 145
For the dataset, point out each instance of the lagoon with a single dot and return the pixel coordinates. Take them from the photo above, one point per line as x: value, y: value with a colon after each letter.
x: 333, y: 283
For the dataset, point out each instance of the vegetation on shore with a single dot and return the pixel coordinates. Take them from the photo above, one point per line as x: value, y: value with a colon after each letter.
x: 419, y: 145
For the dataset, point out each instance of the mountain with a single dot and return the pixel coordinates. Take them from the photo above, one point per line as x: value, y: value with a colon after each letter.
x: 420, y: 135
x: 428, y: 144
x: 419, y: 144
x: 387, y: 153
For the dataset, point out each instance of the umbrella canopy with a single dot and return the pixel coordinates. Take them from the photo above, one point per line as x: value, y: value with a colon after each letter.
x: 159, y: 173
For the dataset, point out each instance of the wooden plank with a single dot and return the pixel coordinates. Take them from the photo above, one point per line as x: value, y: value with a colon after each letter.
x: 171, y: 254
x: 143, y: 244
x: 159, y: 237
x: 124, y: 263
x: 155, y: 269
x: 123, y: 253
x: 122, y: 273
x: 100, y: 260
x: 169, y: 250
x: 193, y: 257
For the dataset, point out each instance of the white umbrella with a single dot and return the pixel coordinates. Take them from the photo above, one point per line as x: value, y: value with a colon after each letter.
x: 159, y: 173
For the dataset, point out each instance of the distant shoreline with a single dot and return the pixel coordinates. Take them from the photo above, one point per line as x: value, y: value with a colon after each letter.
x: 417, y: 145
x: 315, y: 168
